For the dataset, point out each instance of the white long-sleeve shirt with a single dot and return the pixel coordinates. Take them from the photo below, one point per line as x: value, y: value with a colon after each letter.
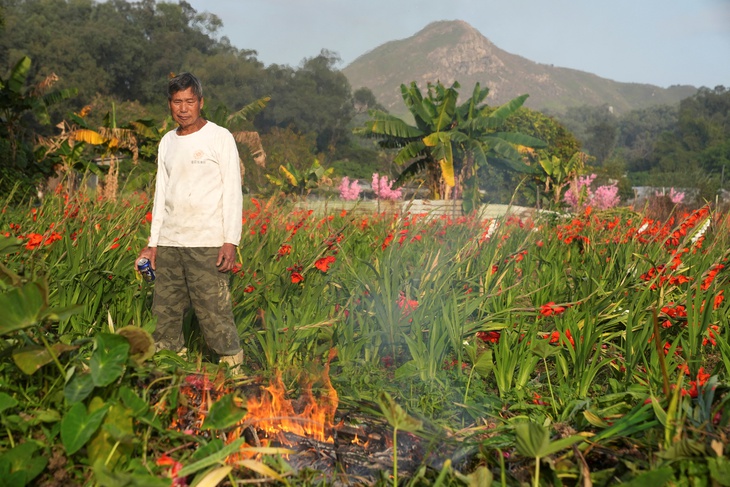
x: 198, y: 200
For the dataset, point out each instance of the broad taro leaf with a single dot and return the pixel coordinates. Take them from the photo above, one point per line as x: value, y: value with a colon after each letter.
x: 109, y: 357
x: 78, y: 426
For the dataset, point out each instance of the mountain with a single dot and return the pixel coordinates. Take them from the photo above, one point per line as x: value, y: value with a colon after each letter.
x: 454, y: 51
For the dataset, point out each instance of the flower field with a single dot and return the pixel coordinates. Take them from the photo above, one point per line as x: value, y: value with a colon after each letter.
x: 586, y: 349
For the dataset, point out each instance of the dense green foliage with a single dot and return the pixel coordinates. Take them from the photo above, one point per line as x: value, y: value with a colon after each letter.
x: 493, y: 342
x: 683, y: 147
x: 122, y: 53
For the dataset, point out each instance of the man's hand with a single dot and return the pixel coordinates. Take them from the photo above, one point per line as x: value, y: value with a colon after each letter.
x: 226, y: 257
x: 149, y: 253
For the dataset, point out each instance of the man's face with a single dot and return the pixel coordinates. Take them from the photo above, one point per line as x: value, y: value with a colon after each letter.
x: 185, y: 108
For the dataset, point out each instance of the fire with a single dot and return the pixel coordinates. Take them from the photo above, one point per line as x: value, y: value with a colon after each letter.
x: 273, y: 412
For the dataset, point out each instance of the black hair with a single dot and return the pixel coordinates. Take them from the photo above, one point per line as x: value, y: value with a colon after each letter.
x: 182, y: 82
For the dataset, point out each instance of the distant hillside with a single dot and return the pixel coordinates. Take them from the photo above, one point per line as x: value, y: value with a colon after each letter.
x: 454, y: 50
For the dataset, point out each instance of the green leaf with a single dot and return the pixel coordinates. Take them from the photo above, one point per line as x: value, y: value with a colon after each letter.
x: 77, y: 426
x: 684, y: 448
x: 113, y: 442
x: 6, y: 402
x: 109, y: 357
x: 46, y: 416
x: 533, y: 440
x: 719, y: 470
x: 223, y: 414
x: 542, y: 349
x: 213, y: 459
x: 660, y: 414
x: 130, y: 399
x: 30, y: 359
x: 407, y: 370
x: 108, y: 478
x: 18, y: 75
x: 20, y: 464
x: 78, y: 386
x: 396, y: 415
x: 594, y: 419
x: 10, y: 244
x: 654, y: 478
x: 484, y: 364
x: 561, y: 444
x: 22, y: 307
x: 215, y: 445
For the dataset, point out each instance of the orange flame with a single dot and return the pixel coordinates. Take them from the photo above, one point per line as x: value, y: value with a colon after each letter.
x: 274, y: 413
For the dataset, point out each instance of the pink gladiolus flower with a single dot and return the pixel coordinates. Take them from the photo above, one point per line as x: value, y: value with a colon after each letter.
x: 383, y: 188
x: 349, y: 191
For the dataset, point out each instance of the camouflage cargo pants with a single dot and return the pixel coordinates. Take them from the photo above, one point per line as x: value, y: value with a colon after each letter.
x: 188, y: 277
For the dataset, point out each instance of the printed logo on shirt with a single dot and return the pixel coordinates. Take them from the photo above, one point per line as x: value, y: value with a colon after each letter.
x: 198, y: 157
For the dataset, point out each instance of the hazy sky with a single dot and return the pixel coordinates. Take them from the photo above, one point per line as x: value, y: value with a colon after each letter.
x: 661, y: 42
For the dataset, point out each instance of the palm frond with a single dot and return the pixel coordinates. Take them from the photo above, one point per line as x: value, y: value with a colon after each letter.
x: 411, y: 171
x: 18, y: 75
x: 388, y: 125
x: 521, y: 139
x: 509, y: 108
x: 447, y: 109
x: 415, y: 103
x: 410, y: 151
x: 248, y: 112
x: 513, y: 165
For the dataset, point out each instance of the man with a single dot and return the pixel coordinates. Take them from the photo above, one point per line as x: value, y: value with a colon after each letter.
x: 196, y: 225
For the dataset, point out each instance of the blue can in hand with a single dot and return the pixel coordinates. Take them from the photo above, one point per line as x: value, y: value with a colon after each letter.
x: 145, y: 268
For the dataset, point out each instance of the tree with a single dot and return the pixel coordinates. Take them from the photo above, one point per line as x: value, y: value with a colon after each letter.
x: 696, y: 153
x: 557, y: 162
x: 448, y: 142
x: 22, y: 108
x: 315, y: 98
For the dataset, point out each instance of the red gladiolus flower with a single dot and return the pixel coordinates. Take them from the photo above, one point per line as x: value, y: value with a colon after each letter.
x: 54, y: 236
x: 296, y: 278
x: 283, y: 250
x: 555, y: 337
x: 407, y: 305
x: 148, y: 217
x: 34, y: 240
x: 324, y: 263
x: 551, y: 309
x: 719, y: 298
x: 711, y: 276
x: 387, y: 241
x: 248, y: 289
x: 488, y: 336
x: 167, y: 461
x: 537, y: 399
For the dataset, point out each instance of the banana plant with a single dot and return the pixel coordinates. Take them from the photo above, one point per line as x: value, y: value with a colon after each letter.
x: 449, y: 142
x: 558, y: 173
x: 238, y: 123
x: 300, y: 183
x: 17, y: 99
